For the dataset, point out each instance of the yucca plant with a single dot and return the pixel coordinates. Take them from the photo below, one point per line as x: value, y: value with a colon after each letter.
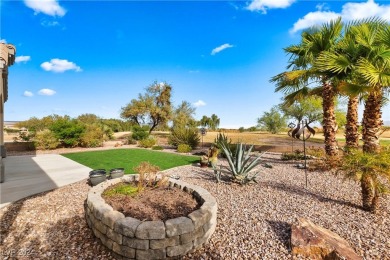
x: 372, y: 170
x: 241, y: 163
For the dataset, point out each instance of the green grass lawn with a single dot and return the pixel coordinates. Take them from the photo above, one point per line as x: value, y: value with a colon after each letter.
x: 130, y: 158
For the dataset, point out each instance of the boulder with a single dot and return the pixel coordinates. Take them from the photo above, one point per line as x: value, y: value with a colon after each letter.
x: 315, y: 242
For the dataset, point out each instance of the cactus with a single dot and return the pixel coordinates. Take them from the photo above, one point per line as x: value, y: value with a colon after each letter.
x: 241, y: 163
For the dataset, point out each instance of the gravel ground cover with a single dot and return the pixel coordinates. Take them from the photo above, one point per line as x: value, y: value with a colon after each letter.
x: 253, y: 221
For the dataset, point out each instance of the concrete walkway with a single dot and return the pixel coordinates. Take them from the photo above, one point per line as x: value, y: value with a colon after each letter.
x: 29, y: 175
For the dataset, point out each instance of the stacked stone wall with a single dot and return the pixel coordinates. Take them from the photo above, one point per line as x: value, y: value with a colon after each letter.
x: 130, y: 238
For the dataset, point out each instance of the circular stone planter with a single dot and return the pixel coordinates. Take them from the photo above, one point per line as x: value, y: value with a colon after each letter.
x: 131, y: 238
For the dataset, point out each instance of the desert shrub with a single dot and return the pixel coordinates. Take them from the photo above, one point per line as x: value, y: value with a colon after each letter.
x: 147, y: 143
x: 45, y: 140
x: 131, y: 140
x: 189, y: 136
x: 140, y: 132
x: 223, y: 140
x: 67, y: 130
x: 317, y: 152
x: 184, y: 148
x: 296, y: 155
x: 148, y: 176
x: 92, y: 137
x: 157, y: 148
x: 11, y: 130
x: 241, y: 129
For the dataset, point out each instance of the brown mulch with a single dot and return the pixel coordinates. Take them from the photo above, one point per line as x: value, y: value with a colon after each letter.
x: 159, y: 203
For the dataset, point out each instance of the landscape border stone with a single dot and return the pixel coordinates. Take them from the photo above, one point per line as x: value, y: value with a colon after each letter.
x: 130, y: 238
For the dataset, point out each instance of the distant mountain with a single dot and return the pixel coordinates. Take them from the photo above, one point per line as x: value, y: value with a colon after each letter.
x: 386, y: 123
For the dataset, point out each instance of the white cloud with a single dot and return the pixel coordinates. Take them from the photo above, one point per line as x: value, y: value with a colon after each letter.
x: 221, y: 48
x: 46, y: 92
x: 350, y: 11
x: 199, y: 103
x: 28, y: 93
x: 264, y: 5
x: 57, y: 65
x: 194, y: 71
x: 3, y: 41
x: 314, y: 19
x: 47, y: 23
x: 24, y: 59
x: 49, y: 7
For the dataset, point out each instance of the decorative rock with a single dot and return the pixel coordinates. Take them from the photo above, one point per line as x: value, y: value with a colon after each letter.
x: 127, y: 226
x: 136, y: 243
x: 178, y: 226
x: 151, y: 254
x: 179, y: 250
x: 163, y: 243
x: 151, y: 230
x: 315, y: 242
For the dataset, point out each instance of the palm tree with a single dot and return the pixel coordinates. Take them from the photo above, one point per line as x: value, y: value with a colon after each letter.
x: 375, y: 70
x: 296, y: 82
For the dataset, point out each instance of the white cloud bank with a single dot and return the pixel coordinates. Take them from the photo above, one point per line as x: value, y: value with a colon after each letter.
x: 28, y: 93
x: 3, y: 41
x: 46, y: 92
x: 57, y: 65
x: 48, y: 7
x: 221, y: 48
x: 19, y: 59
x: 264, y: 5
x: 199, y: 103
x: 350, y: 11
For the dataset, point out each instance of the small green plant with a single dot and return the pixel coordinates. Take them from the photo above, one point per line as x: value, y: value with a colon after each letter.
x: 184, y: 148
x: 181, y: 135
x: 372, y: 170
x: 140, y: 132
x: 45, y: 140
x: 157, y: 148
x: 147, y: 143
x: 121, y: 188
x: 241, y: 163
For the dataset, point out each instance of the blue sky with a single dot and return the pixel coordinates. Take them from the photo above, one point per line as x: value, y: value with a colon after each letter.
x: 76, y: 57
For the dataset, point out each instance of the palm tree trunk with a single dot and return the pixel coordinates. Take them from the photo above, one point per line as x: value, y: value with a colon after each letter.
x: 372, y: 122
x: 367, y: 192
x: 329, y: 121
x: 351, y: 127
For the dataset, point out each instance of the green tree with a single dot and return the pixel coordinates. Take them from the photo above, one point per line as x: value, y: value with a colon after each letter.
x: 67, y: 130
x: 309, y: 108
x: 183, y: 115
x: 204, y: 121
x: 272, y: 121
x: 214, y: 122
x: 152, y: 108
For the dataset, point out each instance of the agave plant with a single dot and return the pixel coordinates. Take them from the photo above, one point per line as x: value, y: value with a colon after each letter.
x: 241, y: 163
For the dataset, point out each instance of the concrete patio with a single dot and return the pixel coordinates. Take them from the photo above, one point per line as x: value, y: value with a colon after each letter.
x: 29, y: 175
